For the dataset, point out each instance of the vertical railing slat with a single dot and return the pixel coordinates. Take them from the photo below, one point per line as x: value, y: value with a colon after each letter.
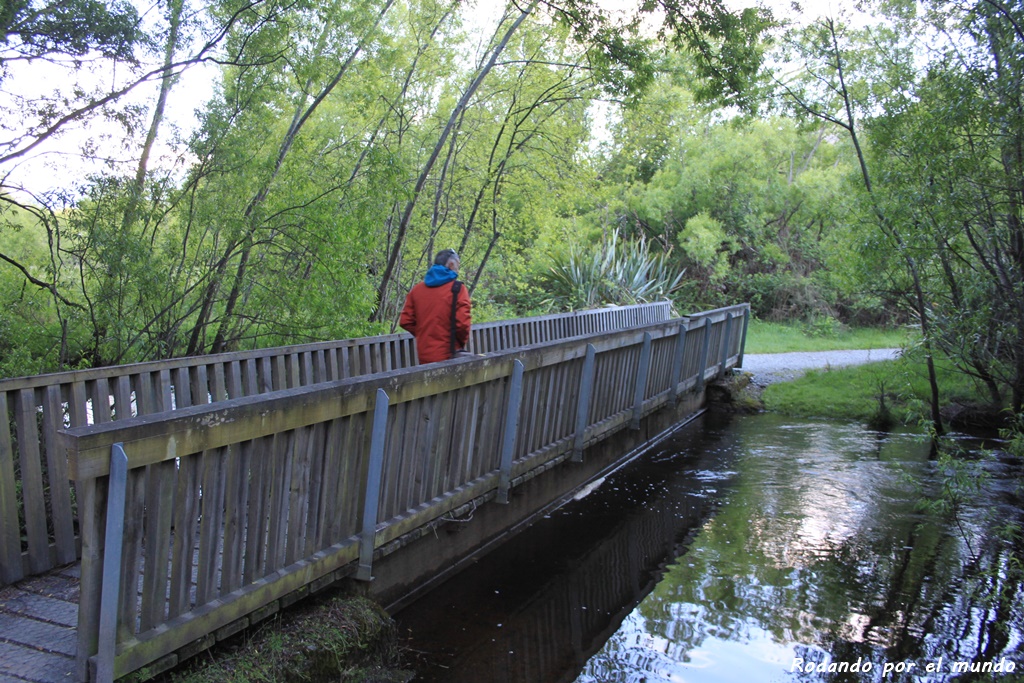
x: 57, y: 469
x: 114, y: 515
x: 642, y: 372
x: 33, y: 500
x: 11, y: 569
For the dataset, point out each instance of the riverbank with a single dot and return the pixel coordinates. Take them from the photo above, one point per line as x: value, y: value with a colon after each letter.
x: 769, y: 368
x: 342, y: 639
x: 880, y: 387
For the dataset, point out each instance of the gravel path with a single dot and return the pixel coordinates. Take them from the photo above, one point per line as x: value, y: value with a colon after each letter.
x: 768, y: 368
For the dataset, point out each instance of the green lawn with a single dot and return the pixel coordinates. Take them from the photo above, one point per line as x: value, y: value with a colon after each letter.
x: 767, y: 337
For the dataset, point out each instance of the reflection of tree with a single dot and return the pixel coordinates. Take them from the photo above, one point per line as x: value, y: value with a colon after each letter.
x: 986, y: 613
x: 885, y: 584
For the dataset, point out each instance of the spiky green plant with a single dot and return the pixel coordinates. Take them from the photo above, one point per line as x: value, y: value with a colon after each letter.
x: 616, y: 272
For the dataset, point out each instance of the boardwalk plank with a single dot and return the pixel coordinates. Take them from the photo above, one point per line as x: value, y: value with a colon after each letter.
x: 42, y: 667
x: 38, y: 634
x: 57, y: 474
x: 14, y: 600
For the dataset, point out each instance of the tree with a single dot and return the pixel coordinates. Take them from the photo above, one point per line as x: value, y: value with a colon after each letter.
x: 30, y: 29
x: 837, y: 89
x: 456, y: 113
x: 951, y: 156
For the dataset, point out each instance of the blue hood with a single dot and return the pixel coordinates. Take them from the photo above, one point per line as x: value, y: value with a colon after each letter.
x: 439, y: 275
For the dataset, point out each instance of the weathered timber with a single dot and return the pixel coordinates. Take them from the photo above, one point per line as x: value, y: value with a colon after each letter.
x: 42, y: 513
x: 267, y: 494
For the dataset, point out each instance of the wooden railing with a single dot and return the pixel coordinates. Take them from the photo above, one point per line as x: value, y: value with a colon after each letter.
x: 38, y: 510
x: 197, y: 519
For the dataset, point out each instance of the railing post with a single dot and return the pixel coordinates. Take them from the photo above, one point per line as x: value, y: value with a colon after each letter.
x: 726, y: 340
x: 113, y: 542
x: 515, y: 399
x: 583, y: 406
x: 641, y: 381
x: 743, y: 338
x: 704, y: 354
x: 373, y: 481
x: 677, y: 361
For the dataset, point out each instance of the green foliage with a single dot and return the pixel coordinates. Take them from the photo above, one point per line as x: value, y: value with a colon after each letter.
x: 615, y: 272
x: 30, y: 29
x: 281, y: 225
x: 1013, y: 434
x: 705, y: 242
x: 754, y: 207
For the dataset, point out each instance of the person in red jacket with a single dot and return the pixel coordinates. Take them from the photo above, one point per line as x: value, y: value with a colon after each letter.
x: 438, y: 309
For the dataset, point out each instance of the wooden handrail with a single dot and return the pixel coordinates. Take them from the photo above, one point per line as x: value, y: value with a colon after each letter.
x: 36, y: 506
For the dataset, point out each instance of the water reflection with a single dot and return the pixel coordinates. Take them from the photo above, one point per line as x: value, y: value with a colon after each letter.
x: 750, y: 550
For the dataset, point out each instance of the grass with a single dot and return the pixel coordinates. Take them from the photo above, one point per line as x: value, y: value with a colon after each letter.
x: 855, y: 392
x: 769, y: 337
x: 339, y: 639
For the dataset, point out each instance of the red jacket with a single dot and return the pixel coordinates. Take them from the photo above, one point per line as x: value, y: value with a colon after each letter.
x: 427, y: 315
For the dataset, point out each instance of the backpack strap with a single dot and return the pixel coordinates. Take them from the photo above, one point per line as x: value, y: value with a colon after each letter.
x: 456, y: 288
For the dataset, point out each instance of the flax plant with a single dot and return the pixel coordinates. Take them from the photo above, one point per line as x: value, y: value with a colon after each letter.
x: 619, y: 272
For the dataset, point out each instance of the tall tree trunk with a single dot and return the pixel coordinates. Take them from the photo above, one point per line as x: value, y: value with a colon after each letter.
x: 252, y: 218
x: 893, y: 232
x: 421, y: 181
x: 167, y: 80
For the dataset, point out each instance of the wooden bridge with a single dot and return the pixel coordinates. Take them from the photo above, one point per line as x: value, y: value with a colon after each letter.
x: 209, y: 492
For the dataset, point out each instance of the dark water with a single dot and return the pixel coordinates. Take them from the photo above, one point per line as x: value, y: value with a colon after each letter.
x: 748, y: 549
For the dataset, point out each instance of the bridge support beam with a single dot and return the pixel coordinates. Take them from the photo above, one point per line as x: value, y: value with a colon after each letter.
x: 373, y: 481
x: 508, y: 443
x: 726, y: 342
x: 677, y: 362
x: 583, y: 406
x: 643, y: 369
x: 110, y: 588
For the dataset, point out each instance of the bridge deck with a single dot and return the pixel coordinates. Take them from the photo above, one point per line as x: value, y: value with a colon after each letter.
x: 38, y: 619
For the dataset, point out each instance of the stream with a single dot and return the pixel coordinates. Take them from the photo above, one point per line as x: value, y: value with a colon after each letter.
x: 750, y: 548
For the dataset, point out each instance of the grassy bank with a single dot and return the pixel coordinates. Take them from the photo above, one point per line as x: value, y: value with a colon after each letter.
x: 897, y: 389
x: 862, y: 392
x: 768, y: 337
x: 342, y: 639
